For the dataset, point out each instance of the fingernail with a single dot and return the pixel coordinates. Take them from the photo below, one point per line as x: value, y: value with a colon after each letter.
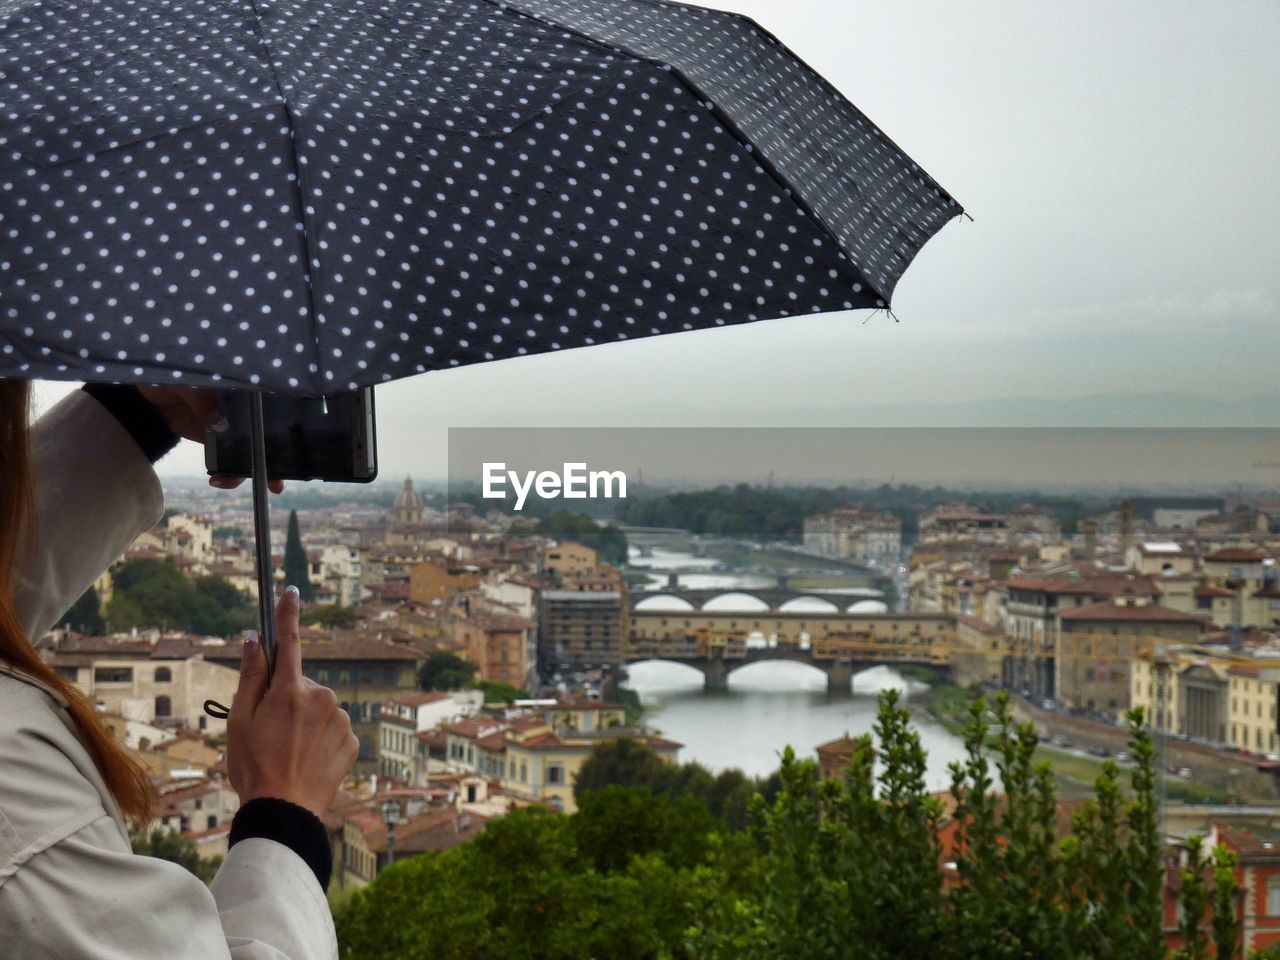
x: 250, y: 641
x: 291, y: 591
x: 221, y: 425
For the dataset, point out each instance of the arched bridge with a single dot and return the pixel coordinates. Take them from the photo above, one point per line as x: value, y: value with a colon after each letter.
x: 749, y: 599
x: 840, y: 655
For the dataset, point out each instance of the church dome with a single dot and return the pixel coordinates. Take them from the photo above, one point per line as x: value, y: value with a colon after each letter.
x: 407, y: 498
x: 408, y: 505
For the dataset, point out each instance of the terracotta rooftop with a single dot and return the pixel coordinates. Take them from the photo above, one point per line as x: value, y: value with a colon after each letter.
x: 843, y: 747
x: 1147, y: 613
x: 1108, y: 584
x: 1238, y: 555
x: 1257, y: 840
x: 345, y: 803
x: 493, y: 742
x: 339, y: 649
x: 473, y: 727
x: 1206, y: 590
x: 433, y: 830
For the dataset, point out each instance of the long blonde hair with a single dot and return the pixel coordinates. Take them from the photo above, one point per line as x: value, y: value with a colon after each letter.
x: 123, y: 775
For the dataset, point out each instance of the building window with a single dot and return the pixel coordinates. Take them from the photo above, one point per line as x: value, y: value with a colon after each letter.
x: 113, y: 675
x: 555, y: 774
x: 1273, y: 897
x: 164, y: 707
x: 164, y: 675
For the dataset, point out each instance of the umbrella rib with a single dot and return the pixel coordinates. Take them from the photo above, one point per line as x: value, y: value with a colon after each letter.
x: 724, y: 119
x: 308, y: 263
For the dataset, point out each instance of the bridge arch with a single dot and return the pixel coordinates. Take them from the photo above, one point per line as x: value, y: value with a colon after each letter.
x: 665, y: 602
x: 808, y: 604
x: 867, y: 606
x: 800, y: 672
x: 736, y: 601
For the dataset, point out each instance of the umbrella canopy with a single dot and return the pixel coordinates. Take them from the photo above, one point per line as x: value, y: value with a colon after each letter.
x: 301, y: 196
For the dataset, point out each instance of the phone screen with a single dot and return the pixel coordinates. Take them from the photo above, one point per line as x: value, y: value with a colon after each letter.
x: 306, y: 438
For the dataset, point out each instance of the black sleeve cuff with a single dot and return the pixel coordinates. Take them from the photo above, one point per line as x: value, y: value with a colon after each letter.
x: 296, y: 827
x: 139, y: 417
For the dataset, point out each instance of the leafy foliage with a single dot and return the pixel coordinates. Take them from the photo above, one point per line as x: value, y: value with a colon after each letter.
x: 497, y: 692
x: 627, y: 762
x: 333, y: 616
x: 446, y: 671
x: 154, y: 593
x: 866, y: 865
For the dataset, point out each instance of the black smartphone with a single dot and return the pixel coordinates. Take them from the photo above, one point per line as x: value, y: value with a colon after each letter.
x: 306, y: 438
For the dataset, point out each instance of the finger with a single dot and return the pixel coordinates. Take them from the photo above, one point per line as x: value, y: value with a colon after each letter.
x: 253, y: 679
x: 288, y: 644
x: 204, y: 404
x: 227, y: 482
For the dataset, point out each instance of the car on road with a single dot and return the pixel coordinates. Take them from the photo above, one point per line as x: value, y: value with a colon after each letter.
x: 1184, y: 773
x: 1099, y: 752
x: 1123, y: 757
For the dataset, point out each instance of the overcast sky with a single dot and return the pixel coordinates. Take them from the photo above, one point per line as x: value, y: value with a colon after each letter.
x: 1119, y: 161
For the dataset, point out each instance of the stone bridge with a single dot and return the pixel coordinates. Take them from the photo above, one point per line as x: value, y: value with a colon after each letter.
x: 763, y: 598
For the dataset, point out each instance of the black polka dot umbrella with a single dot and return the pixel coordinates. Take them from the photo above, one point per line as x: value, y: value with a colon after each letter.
x: 308, y: 195
x: 303, y: 196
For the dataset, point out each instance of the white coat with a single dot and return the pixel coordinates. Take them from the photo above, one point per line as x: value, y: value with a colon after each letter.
x: 70, y: 887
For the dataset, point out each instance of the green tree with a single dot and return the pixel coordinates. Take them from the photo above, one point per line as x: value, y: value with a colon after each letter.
x: 446, y: 671
x: 332, y: 616
x: 219, y: 609
x: 617, y: 824
x: 297, y: 568
x: 85, y: 615
x: 172, y: 846
x: 497, y: 692
x: 154, y: 593
x: 1226, y: 922
x: 622, y: 762
x: 838, y: 868
x: 1145, y: 843
x: 1193, y: 901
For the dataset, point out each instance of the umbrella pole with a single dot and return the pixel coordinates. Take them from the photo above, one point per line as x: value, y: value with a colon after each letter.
x: 262, y: 532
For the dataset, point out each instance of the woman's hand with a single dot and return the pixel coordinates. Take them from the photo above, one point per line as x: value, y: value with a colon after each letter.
x: 290, y: 741
x: 188, y: 412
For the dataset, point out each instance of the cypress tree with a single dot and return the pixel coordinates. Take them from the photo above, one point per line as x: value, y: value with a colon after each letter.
x: 296, y: 566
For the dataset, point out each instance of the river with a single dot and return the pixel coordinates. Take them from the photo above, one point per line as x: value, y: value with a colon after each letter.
x: 769, y: 706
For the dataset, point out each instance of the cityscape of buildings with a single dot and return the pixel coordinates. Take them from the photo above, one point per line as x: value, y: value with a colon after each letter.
x: 1170, y: 604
